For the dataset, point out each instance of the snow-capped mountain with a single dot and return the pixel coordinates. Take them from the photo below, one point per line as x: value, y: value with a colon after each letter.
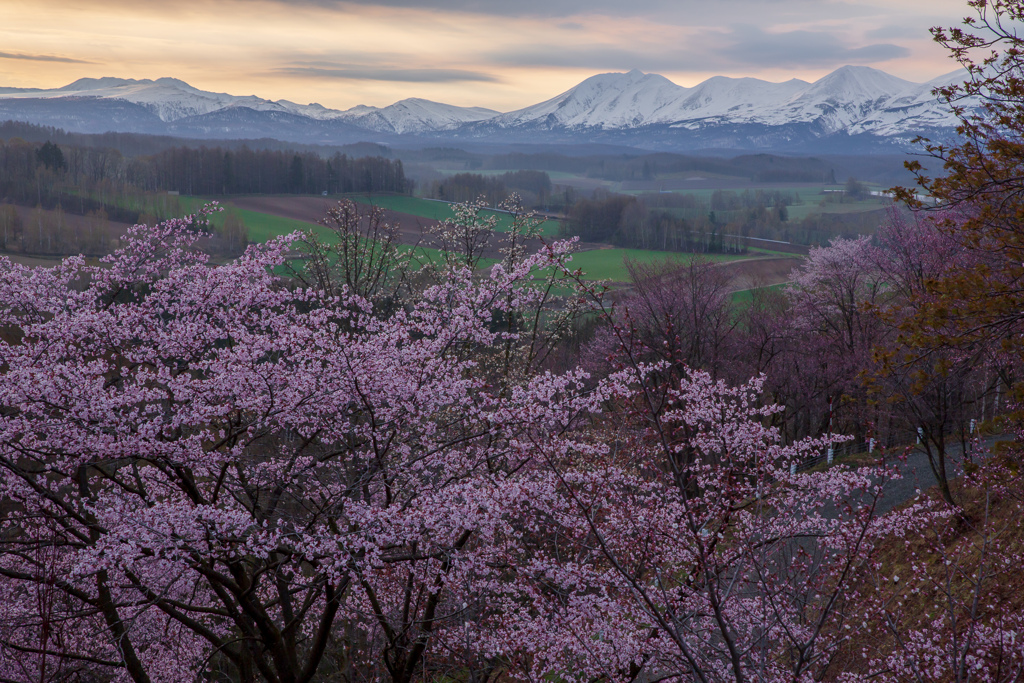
x: 168, y: 98
x: 857, y: 104
x: 846, y: 99
x: 415, y: 115
x: 172, y: 100
x: 606, y: 101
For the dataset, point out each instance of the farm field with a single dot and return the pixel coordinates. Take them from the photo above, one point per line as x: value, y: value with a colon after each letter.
x: 267, y: 217
x: 609, y: 264
x: 438, y: 210
x: 745, y: 297
x: 809, y: 195
x: 799, y: 212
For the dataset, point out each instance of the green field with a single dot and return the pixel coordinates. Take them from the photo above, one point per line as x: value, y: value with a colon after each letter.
x: 746, y: 296
x: 264, y: 226
x: 804, y: 193
x: 554, y: 175
x: 601, y: 264
x: 260, y: 226
x: 438, y: 210
x: 608, y: 264
x: 598, y: 264
x: 801, y: 211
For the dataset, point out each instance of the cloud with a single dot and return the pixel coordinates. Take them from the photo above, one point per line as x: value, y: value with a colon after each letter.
x: 601, y: 57
x: 386, y: 73
x: 803, y: 49
x: 744, y: 49
x: 891, y: 32
x: 545, y: 8
x: 43, y: 58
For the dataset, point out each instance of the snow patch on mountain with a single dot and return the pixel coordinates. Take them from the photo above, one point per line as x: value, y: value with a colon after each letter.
x: 852, y: 100
x: 415, y: 115
x: 608, y: 101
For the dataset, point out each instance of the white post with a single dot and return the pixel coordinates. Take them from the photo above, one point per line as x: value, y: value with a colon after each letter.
x: 831, y: 454
x: 871, y: 445
x: 920, y: 434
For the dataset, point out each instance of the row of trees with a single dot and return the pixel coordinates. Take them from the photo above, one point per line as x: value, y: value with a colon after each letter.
x: 766, y: 168
x: 629, y: 221
x: 217, y: 171
x: 689, y: 222
x: 39, y: 231
x: 84, y: 179
x: 533, y: 187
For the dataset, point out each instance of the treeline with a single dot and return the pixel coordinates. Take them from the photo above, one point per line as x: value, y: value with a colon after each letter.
x: 717, y: 222
x: 103, y: 185
x: 92, y: 180
x: 207, y: 171
x: 624, y: 167
x: 678, y: 222
x: 533, y: 187
x: 140, y: 144
x: 54, y: 232
x: 40, y: 173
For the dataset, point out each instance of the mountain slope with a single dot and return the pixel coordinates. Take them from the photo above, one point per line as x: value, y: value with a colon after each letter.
x: 415, y: 115
x: 606, y: 101
x: 849, y: 107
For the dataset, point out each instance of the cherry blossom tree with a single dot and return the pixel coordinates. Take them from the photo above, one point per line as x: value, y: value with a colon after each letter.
x: 692, y: 548
x: 209, y: 473
x: 832, y: 332
x: 203, y: 470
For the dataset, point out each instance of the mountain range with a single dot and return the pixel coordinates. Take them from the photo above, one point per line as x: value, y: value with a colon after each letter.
x: 852, y: 109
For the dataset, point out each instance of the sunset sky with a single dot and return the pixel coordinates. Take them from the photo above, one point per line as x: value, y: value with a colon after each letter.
x: 501, y: 55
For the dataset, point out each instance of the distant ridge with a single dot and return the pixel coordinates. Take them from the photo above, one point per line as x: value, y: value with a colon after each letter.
x: 854, y: 106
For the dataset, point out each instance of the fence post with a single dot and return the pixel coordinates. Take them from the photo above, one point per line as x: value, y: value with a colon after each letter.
x: 920, y: 434
x: 831, y: 454
x: 871, y: 445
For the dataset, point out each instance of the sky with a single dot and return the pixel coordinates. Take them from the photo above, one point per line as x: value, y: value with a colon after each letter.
x: 500, y: 54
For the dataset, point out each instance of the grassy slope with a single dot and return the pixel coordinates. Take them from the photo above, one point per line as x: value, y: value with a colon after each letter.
x: 609, y: 264
x: 990, y: 516
x: 745, y: 297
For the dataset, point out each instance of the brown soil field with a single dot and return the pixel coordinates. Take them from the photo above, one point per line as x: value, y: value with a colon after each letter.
x: 760, y: 272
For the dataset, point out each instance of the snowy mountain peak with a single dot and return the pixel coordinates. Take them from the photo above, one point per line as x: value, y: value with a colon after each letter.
x: 852, y: 100
x: 858, y: 82
x: 86, y: 84
x: 611, y: 100
x: 415, y: 115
